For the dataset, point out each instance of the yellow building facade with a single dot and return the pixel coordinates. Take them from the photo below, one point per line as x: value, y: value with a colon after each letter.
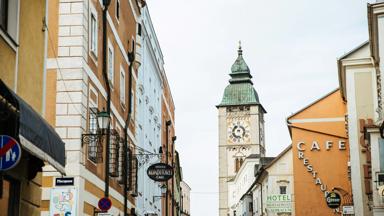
x: 23, y: 41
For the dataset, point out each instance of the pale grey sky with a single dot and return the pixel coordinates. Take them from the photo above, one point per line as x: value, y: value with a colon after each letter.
x: 291, y: 47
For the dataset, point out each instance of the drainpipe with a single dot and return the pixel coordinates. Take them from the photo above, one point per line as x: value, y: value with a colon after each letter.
x: 105, y: 75
x: 167, y: 124
x: 173, y: 176
x: 261, y: 197
x: 131, y: 59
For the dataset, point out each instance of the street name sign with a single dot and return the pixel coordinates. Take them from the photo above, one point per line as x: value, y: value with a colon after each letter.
x: 10, y: 152
x: 160, y: 172
x: 65, y: 181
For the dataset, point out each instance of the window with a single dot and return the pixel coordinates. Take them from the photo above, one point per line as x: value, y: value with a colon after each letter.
x: 139, y: 29
x: 122, y: 86
x: 134, y: 172
x: 250, y: 207
x: 94, y: 32
x: 118, y: 9
x: 9, y: 18
x: 283, y: 189
x: 110, y: 64
x: 92, y: 128
x: 9, y: 201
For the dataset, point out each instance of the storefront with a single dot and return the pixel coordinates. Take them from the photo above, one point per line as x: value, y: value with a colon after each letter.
x: 27, y: 141
x: 320, y: 156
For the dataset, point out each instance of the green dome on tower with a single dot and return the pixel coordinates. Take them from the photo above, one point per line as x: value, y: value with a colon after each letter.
x: 240, y: 90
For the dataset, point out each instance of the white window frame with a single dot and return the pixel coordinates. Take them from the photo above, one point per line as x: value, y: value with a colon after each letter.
x: 93, y: 32
x: 110, y: 65
x: 122, y: 86
x: 11, y: 35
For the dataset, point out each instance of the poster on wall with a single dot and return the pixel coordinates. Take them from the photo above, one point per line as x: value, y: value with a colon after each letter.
x: 63, y: 202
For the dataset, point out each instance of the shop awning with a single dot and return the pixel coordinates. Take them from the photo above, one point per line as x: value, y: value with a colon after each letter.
x: 35, y: 134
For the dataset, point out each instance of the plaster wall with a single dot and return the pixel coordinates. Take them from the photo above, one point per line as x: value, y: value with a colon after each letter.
x: 148, y: 122
x: 360, y: 106
x: 317, y: 169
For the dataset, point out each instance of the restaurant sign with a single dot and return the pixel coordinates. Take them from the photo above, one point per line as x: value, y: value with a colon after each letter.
x: 160, y: 172
x: 279, y: 203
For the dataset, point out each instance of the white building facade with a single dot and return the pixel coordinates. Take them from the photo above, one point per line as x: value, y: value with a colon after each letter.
x: 148, y: 122
x: 272, y: 192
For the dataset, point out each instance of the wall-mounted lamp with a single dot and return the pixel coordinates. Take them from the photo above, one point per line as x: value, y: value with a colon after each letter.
x: 163, y: 191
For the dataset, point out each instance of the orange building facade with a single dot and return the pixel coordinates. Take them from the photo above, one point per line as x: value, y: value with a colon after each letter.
x: 320, y: 155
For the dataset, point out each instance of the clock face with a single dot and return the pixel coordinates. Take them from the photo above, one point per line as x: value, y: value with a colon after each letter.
x: 238, y: 131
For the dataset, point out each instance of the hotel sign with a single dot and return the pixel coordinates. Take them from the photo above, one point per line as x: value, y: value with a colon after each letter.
x: 279, y: 203
x: 160, y: 172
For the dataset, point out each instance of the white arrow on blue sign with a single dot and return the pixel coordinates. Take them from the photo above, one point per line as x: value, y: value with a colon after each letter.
x: 10, y: 152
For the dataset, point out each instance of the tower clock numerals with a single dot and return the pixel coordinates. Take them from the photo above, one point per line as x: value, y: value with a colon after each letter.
x: 238, y: 132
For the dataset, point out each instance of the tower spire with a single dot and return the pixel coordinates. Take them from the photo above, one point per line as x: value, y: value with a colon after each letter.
x: 240, y: 51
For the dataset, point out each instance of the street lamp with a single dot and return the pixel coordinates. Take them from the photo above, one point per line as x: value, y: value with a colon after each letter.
x: 103, y: 119
x: 163, y: 191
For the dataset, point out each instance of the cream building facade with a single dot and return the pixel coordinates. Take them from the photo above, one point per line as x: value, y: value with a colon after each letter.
x: 185, y: 199
x: 361, y: 79
x: 78, y: 91
x: 273, y: 190
x: 241, y: 128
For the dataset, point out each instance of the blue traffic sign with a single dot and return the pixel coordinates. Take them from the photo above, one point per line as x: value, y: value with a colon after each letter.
x: 10, y: 152
x: 105, y: 204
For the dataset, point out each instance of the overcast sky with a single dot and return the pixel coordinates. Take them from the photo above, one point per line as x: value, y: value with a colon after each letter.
x: 291, y: 47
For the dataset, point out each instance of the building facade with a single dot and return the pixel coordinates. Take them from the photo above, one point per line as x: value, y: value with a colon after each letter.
x: 272, y: 192
x: 320, y: 150
x: 238, y: 198
x: 23, y: 93
x: 149, y: 124
x: 84, y: 82
x: 185, y: 199
x: 168, y: 143
x: 241, y: 128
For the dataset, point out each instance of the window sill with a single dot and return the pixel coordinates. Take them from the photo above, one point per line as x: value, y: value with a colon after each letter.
x: 93, y: 57
x: 9, y: 40
x: 122, y: 105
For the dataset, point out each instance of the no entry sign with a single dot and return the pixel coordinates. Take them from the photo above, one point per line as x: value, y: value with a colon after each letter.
x: 10, y: 152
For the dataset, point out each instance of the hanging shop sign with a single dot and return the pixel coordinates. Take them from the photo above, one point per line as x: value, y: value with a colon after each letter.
x: 63, y: 201
x: 160, y: 172
x: 333, y: 200
x: 66, y: 181
x: 10, y: 152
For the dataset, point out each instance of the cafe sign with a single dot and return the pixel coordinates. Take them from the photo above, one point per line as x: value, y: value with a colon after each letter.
x: 160, y: 172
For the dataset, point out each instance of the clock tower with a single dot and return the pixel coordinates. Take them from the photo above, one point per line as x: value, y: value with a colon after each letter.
x: 241, y: 127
